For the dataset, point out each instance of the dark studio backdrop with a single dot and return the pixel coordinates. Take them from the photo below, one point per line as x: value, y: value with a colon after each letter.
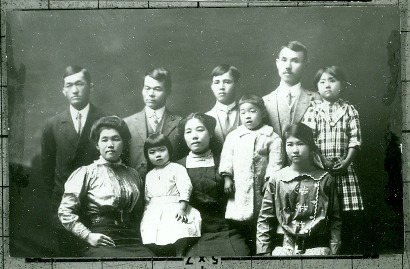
x: 119, y: 46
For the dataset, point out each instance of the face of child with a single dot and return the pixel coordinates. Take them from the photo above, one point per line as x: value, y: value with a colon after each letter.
x: 329, y: 87
x: 154, y: 93
x: 158, y: 155
x: 224, y: 88
x: 196, y: 136
x: 290, y: 65
x: 298, y: 151
x: 251, y: 116
x: 110, y: 145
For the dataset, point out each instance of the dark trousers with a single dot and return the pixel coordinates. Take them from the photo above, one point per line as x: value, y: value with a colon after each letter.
x: 353, y: 241
x: 248, y: 230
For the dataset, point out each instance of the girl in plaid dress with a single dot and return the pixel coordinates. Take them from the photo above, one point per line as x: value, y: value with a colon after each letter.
x: 336, y: 127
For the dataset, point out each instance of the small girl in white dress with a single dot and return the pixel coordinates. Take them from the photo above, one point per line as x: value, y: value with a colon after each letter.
x: 168, y: 220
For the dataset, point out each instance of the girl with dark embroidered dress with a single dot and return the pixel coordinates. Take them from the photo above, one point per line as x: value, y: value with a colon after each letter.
x: 301, y: 201
x: 102, y: 202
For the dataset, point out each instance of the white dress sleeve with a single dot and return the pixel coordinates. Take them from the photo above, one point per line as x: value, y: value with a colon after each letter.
x: 74, y: 189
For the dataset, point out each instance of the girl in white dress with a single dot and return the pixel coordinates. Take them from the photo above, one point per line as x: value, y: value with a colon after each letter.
x: 168, y: 220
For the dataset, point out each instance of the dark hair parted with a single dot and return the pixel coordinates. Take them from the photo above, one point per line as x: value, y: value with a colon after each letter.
x: 295, y: 46
x: 157, y: 140
x: 110, y: 122
x: 302, y: 132
x: 74, y: 69
x: 334, y: 71
x: 208, y: 121
x: 224, y: 68
x: 162, y: 75
x: 253, y: 99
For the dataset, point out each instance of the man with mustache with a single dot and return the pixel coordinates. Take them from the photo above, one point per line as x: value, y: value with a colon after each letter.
x: 154, y: 118
x: 288, y: 103
x: 65, y: 146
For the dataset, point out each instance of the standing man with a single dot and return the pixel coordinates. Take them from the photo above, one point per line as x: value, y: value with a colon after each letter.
x: 225, y: 79
x: 289, y: 102
x: 65, y: 146
x: 154, y: 118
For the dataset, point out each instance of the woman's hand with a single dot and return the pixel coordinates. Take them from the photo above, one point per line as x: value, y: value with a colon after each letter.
x: 181, y: 216
x: 328, y: 164
x: 97, y: 239
x: 340, y: 166
x: 229, y: 185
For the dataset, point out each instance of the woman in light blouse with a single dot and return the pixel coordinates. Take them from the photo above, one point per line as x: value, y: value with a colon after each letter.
x: 103, y: 202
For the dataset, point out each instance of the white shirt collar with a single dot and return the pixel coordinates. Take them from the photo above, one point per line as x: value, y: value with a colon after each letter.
x: 294, y: 90
x: 84, y: 112
x: 225, y: 108
x: 159, y: 112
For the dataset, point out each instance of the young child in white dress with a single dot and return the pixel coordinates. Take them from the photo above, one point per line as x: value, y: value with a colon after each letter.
x: 168, y: 220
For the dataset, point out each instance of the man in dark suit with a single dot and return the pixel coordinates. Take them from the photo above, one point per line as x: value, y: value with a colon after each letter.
x: 154, y: 118
x: 289, y: 102
x: 66, y: 146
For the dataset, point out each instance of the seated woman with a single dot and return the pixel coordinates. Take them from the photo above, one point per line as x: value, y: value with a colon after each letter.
x: 103, y: 202
x: 208, y: 196
x: 301, y: 202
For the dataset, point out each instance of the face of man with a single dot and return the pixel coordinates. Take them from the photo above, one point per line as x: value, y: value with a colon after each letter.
x: 77, y: 90
x: 290, y: 65
x: 224, y: 88
x: 154, y: 93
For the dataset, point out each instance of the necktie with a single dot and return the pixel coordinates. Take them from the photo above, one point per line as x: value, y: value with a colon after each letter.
x: 289, y: 97
x: 155, y: 121
x: 78, y: 118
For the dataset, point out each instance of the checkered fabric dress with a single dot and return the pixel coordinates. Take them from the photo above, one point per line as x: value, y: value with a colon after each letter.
x: 336, y: 128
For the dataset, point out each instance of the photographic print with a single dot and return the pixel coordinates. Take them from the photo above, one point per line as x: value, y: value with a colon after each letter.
x: 205, y: 132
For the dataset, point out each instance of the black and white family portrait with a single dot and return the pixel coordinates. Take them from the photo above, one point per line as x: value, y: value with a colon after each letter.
x: 219, y: 132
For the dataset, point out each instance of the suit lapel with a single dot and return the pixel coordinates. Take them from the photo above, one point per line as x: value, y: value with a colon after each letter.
x: 218, y: 127
x: 67, y: 129
x: 91, y: 117
x: 140, y: 125
x: 301, y: 105
x: 170, y: 123
x: 274, y: 110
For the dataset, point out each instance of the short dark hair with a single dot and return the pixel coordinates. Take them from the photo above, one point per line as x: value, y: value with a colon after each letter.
x: 224, y: 68
x: 333, y: 70
x: 302, y: 132
x: 162, y: 75
x: 253, y: 99
x: 208, y: 121
x: 74, y: 69
x: 295, y: 46
x: 157, y: 140
x: 110, y: 122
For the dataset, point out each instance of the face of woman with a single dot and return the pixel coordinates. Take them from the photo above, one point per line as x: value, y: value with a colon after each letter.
x: 298, y: 151
x: 196, y: 136
x: 110, y: 145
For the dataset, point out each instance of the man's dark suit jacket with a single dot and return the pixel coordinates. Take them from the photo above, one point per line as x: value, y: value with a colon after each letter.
x: 63, y: 150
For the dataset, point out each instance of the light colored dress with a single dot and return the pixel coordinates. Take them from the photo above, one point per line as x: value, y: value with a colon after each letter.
x: 165, y: 186
x: 249, y: 157
x: 105, y: 198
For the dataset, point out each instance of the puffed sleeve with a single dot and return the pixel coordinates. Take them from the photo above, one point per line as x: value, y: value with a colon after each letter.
x: 334, y: 217
x: 74, y: 189
x: 276, y: 156
x: 183, y: 183
x: 310, y: 116
x: 266, y: 220
x: 354, y: 132
x: 226, y: 160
